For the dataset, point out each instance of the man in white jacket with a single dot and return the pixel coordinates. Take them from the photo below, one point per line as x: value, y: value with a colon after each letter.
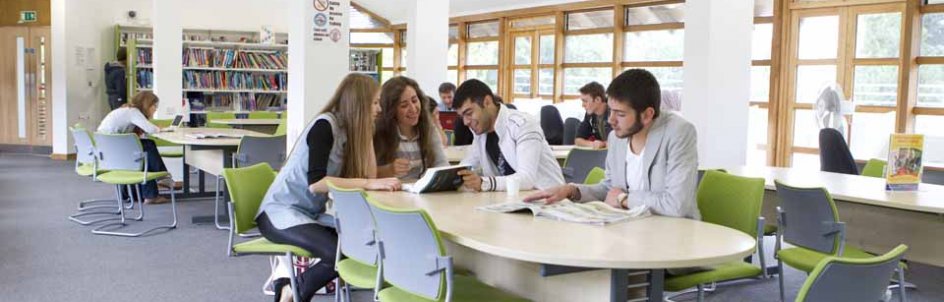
x: 507, y: 143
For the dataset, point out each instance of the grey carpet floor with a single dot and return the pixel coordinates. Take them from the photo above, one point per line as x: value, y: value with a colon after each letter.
x: 45, y: 257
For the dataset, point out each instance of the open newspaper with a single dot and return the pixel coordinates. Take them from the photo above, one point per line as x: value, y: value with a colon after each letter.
x: 594, y: 212
x: 206, y: 135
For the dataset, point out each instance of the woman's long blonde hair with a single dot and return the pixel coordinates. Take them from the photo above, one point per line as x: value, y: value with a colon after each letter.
x: 352, y: 106
x: 143, y: 102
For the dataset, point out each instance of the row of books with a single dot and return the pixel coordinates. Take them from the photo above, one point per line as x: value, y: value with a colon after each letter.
x: 364, y: 60
x: 145, y: 78
x: 245, y: 101
x: 234, y: 80
x: 144, y: 56
x: 231, y: 58
x: 126, y: 36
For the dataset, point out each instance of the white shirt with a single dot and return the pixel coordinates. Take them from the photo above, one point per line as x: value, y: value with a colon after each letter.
x: 634, y: 170
x: 124, y: 119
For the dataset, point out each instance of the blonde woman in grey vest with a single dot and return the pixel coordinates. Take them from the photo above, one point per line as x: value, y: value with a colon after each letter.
x: 407, y: 140
x: 336, y: 147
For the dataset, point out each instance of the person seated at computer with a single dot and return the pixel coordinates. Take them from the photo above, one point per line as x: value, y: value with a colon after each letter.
x: 406, y: 139
x: 506, y: 143
x: 594, y: 129
x: 135, y: 117
x: 652, y: 158
x: 335, y: 147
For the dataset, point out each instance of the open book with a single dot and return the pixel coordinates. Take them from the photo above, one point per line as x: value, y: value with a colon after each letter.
x: 594, y: 212
x: 199, y: 135
x: 439, y: 179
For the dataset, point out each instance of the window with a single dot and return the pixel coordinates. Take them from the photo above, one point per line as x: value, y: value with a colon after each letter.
x: 361, y: 20
x: 574, y: 78
x: 588, y: 48
x: 758, y: 116
x: 657, y: 49
x: 483, y: 30
x: 654, y: 45
x: 533, y: 22
x: 482, y: 53
x: 657, y: 14
x: 931, y: 86
x: 371, y: 38
x: 932, y: 35
x: 489, y: 76
x: 930, y: 126
x: 589, y: 20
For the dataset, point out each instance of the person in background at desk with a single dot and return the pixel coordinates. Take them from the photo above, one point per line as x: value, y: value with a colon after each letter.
x: 446, y: 93
x: 406, y: 139
x: 652, y: 159
x: 336, y: 147
x: 594, y: 129
x: 134, y: 117
x: 507, y: 143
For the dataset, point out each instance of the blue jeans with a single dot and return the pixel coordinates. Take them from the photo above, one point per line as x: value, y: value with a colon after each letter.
x: 154, y: 164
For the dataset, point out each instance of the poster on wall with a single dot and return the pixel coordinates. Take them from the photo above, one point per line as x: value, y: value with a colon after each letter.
x: 327, y: 21
x: 904, y: 168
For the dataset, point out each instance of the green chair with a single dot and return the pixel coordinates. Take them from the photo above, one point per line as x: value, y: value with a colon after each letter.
x: 126, y: 162
x: 247, y: 188
x: 415, y: 264
x: 263, y: 115
x: 734, y: 202
x: 808, y: 220
x: 251, y: 151
x: 282, y: 129
x: 87, y: 165
x: 212, y: 116
x: 176, y: 152
x: 595, y: 176
x: 852, y: 279
x: 874, y: 168
x: 357, y: 260
x: 580, y: 161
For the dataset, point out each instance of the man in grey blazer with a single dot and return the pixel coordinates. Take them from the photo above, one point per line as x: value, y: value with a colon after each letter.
x: 652, y: 158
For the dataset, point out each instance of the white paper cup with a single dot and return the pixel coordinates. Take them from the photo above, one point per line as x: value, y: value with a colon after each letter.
x: 512, y: 185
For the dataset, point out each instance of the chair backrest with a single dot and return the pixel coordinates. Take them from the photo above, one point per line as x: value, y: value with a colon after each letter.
x: 84, y: 146
x: 512, y: 106
x: 580, y: 161
x: 552, y: 125
x: 847, y: 279
x: 253, y: 150
x: 119, y: 152
x: 701, y: 174
x: 247, y: 187
x: 411, y: 250
x: 810, y: 218
x: 355, y: 225
x: 570, y: 130
x: 282, y: 129
x: 212, y: 116
x: 730, y: 200
x: 834, y: 154
x: 263, y: 115
x: 874, y: 168
x: 595, y: 176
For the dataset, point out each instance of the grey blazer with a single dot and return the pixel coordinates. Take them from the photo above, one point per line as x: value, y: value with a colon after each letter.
x: 671, y: 156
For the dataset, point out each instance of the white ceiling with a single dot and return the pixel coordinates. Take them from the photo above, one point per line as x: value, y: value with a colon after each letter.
x: 393, y: 10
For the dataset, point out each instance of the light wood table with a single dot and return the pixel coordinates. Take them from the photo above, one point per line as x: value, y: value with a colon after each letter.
x: 455, y: 154
x: 513, y: 251
x: 266, y: 126
x: 876, y: 220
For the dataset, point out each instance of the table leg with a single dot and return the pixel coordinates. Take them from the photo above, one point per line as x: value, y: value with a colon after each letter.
x: 656, y: 284
x: 619, y: 282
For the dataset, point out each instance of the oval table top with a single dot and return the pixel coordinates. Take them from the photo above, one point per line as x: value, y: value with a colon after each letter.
x: 184, y: 136
x: 648, y: 243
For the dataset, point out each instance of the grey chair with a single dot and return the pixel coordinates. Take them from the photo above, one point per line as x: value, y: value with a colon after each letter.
x: 570, y: 130
x: 126, y: 162
x: 87, y: 165
x: 357, y: 260
x: 552, y: 125
x: 849, y: 279
x: 580, y: 161
x: 807, y: 218
x: 834, y: 154
x: 415, y: 263
x: 252, y: 150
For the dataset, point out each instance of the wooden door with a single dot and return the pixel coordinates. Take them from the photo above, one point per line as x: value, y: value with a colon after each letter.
x: 10, y: 85
x: 34, y: 80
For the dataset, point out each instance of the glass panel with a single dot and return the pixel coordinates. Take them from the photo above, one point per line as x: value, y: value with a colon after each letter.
x: 811, y: 79
x: 371, y: 38
x: 655, y: 45
x: 546, y: 81
x: 805, y: 130
x: 658, y: 14
x: 760, y: 83
x: 523, y: 50
x: 363, y: 20
x: 930, y: 126
x: 484, y: 29
x: 805, y: 161
x: 489, y: 76
x: 574, y: 78
x: 670, y: 78
x: 536, y: 21
x: 761, y: 40
x: 757, y: 136
x: 932, y: 35
x: 870, y: 133
x: 385, y: 75
x: 763, y: 8
x: 935, y: 2
x: 931, y: 86
x: 482, y: 53
x: 588, y: 48
x: 819, y: 37
x: 452, y: 76
x: 590, y: 20
x: 547, y: 49
x: 522, y: 81
x: 42, y: 68
x: 878, y: 35
x: 452, y: 57
x: 386, y: 57
x: 453, y: 32
x: 875, y: 85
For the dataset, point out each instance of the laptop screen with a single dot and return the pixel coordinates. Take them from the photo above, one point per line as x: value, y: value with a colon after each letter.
x: 177, y: 120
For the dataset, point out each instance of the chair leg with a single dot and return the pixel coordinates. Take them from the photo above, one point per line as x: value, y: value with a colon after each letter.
x: 292, y: 278
x: 347, y: 292
x: 901, y: 285
x: 75, y: 217
x: 112, y: 232
x: 780, y: 279
x: 701, y: 293
x: 216, y: 201
x: 140, y: 203
x: 337, y: 291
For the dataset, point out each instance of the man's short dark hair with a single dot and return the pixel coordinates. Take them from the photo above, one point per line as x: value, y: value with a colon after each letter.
x: 594, y: 90
x: 447, y: 87
x: 474, y: 90
x: 639, y: 88
x: 122, y: 54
